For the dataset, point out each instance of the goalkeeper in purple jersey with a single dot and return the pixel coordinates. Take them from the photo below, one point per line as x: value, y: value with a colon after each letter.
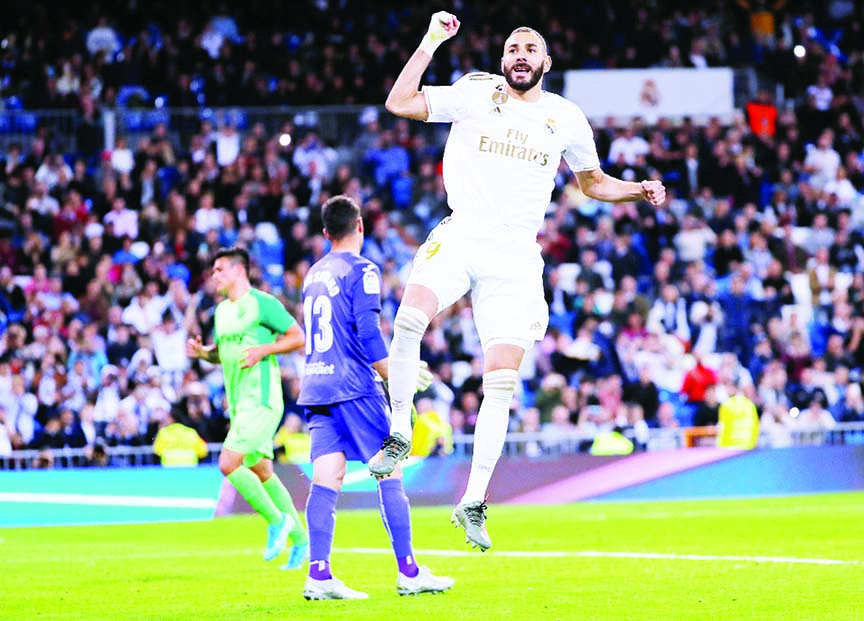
x: 345, y: 403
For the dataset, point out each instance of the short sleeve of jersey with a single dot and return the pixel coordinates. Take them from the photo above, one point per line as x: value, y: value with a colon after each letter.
x: 451, y: 103
x: 272, y: 314
x: 366, y: 288
x: 580, y: 152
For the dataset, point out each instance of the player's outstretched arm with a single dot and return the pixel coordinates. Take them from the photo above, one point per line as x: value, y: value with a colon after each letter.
x: 195, y: 348
x: 292, y: 340
x: 405, y: 98
x: 598, y: 185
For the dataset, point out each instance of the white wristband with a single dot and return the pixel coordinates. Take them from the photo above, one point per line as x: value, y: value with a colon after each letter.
x: 428, y: 45
x: 436, y: 34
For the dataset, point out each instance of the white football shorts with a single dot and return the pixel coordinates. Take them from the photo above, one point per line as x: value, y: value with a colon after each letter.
x: 506, y: 282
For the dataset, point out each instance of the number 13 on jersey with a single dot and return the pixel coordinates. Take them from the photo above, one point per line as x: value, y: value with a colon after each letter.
x: 320, y: 312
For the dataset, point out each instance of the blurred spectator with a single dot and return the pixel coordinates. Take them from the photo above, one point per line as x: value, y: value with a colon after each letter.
x: 694, y: 239
x: 12, y: 299
x: 738, y: 423
x: 103, y: 40
x: 628, y: 147
x: 54, y: 172
x: 797, y: 357
x: 123, y: 220
x: 625, y: 260
x: 89, y: 350
x: 208, y: 216
x: 87, y: 424
x: 311, y: 153
x: 852, y: 410
x: 123, y: 430
x: 740, y: 312
x: 821, y: 277
x: 666, y: 418
x: 762, y: 115
x: 612, y: 442
x: 177, y: 445
x: 822, y: 161
x: 530, y: 423
x: 169, y: 342
x: 78, y: 387
x: 7, y: 433
x: 21, y: 407
x: 227, y: 144
x: 50, y: 436
x: 145, y: 309
x: 107, y: 399
x: 668, y: 315
x: 555, y: 433
x: 644, y: 393
x: 70, y: 429
x: 386, y: 160
x: 198, y: 413
x: 697, y: 381
x: 708, y: 411
x: 292, y: 443
x: 433, y: 436
x: 728, y: 254
x: 122, y: 158
x: 816, y: 417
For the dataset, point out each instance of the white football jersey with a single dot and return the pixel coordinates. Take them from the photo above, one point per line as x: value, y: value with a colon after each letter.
x: 502, y: 154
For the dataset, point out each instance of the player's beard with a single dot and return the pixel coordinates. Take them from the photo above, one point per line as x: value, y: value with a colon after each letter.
x: 523, y: 86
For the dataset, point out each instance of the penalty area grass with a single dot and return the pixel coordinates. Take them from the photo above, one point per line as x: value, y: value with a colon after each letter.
x: 755, y: 559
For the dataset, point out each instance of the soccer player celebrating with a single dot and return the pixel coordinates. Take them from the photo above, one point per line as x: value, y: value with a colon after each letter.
x: 506, y: 142
x: 251, y: 327
x: 345, y: 403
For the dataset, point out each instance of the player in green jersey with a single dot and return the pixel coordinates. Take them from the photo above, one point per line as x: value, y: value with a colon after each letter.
x: 251, y: 327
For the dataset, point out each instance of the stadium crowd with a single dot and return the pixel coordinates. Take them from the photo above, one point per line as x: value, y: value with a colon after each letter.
x: 340, y: 52
x: 749, y: 279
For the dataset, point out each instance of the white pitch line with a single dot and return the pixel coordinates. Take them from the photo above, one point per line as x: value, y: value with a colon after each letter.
x: 701, y: 513
x: 161, y: 502
x: 717, y: 557
x: 228, y: 552
x: 624, y: 555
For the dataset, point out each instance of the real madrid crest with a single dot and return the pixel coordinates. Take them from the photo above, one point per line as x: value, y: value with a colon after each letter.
x: 550, y: 126
x: 499, y: 98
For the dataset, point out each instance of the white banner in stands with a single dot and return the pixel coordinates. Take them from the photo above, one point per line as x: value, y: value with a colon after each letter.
x: 651, y: 93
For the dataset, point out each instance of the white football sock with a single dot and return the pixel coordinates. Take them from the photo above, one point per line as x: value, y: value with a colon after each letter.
x: 404, y: 366
x: 490, y: 431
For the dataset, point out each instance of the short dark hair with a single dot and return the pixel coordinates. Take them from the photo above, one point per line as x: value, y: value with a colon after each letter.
x: 533, y: 32
x: 235, y: 254
x: 340, y: 214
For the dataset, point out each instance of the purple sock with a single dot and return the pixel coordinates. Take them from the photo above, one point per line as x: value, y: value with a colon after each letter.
x: 395, y: 512
x: 321, y: 518
x: 320, y: 570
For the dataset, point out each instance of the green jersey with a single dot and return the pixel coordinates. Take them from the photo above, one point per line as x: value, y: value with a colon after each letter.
x: 257, y: 318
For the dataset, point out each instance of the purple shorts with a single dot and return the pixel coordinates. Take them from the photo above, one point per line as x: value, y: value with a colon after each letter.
x: 356, y: 428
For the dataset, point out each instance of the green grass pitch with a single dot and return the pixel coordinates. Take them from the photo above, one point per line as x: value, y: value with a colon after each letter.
x: 755, y: 559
